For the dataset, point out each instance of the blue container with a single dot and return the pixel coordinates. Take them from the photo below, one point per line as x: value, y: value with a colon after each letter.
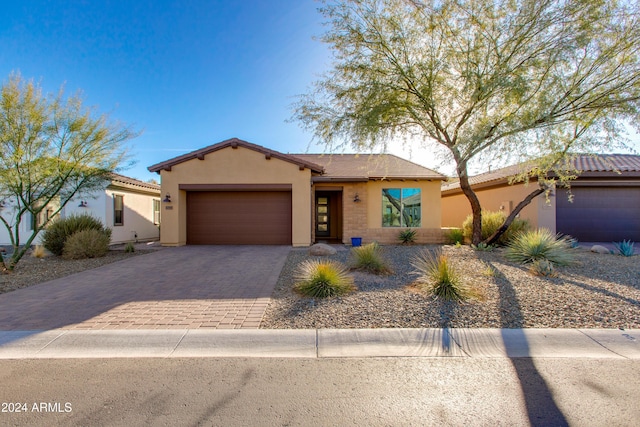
x: 356, y: 241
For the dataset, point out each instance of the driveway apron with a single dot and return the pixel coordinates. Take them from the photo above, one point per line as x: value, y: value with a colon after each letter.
x: 223, y: 287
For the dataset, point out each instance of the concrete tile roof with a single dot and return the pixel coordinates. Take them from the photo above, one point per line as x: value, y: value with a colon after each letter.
x: 587, y: 165
x: 117, y: 178
x: 234, y: 143
x: 368, y: 166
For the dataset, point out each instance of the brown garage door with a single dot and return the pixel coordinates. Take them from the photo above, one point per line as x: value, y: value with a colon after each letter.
x: 239, y: 218
x: 600, y: 214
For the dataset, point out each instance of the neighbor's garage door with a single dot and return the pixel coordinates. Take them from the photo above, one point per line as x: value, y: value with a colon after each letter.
x: 600, y: 214
x: 239, y: 218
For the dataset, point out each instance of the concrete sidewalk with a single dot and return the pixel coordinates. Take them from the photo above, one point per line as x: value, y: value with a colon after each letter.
x: 323, y: 343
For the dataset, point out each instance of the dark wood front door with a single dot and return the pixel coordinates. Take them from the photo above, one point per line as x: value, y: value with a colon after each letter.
x: 323, y: 224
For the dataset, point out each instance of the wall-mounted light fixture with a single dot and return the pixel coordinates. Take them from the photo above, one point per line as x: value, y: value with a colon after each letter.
x: 2, y: 205
x: 83, y: 204
x: 356, y: 199
x: 167, y: 198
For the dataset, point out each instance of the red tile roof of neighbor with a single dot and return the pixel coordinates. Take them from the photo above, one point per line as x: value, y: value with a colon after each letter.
x: 115, y: 177
x: 330, y: 166
x: 587, y: 165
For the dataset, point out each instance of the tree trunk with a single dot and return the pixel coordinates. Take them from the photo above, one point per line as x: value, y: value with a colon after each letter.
x: 476, y: 209
x: 507, y: 222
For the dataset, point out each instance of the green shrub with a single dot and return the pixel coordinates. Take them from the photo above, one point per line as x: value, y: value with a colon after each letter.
x: 59, y: 231
x: 436, y: 275
x: 455, y: 236
x: 491, y: 221
x: 407, y: 236
x: 538, y: 244
x: 370, y: 258
x: 86, y: 244
x: 320, y: 279
x: 129, y: 248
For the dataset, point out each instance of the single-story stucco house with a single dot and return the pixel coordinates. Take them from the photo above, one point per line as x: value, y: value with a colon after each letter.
x: 605, y: 205
x: 130, y: 207
x: 236, y: 192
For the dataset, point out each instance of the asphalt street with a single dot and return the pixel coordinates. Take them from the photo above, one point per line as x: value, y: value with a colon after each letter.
x: 416, y: 391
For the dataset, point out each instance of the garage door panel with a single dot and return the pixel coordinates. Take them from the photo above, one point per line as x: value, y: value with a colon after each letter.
x: 600, y: 213
x: 239, y: 218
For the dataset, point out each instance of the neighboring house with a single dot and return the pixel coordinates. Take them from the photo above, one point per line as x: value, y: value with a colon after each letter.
x: 131, y: 208
x: 235, y: 192
x: 605, y: 205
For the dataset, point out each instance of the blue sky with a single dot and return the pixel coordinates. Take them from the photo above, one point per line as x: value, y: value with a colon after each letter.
x: 186, y: 73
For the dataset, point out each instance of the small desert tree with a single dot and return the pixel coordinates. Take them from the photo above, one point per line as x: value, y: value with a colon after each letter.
x: 51, y: 149
x: 501, y: 80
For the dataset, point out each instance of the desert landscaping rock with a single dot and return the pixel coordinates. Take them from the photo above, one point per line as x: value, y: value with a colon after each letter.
x: 31, y: 271
x: 322, y: 249
x: 598, y: 291
x: 600, y: 249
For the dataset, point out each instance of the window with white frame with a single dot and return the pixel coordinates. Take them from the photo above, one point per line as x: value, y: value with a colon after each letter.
x: 401, y: 207
x: 156, y: 211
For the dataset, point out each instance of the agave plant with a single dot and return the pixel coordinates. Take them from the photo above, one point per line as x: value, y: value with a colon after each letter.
x: 407, y: 236
x: 624, y: 248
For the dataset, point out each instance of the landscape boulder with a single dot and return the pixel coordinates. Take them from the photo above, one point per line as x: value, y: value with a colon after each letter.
x: 321, y: 249
x: 600, y: 249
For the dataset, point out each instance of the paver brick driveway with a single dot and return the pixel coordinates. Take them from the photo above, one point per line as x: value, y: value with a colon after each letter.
x: 185, y: 287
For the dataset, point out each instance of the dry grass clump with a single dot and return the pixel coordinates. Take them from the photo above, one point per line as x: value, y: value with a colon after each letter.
x: 436, y: 275
x: 321, y: 279
x: 369, y: 258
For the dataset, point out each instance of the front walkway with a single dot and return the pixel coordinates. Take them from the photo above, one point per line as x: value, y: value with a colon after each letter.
x: 190, y: 287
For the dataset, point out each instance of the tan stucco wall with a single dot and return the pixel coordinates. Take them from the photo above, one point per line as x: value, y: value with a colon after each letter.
x: 234, y: 166
x: 429, y: 231
x: 539, y: 213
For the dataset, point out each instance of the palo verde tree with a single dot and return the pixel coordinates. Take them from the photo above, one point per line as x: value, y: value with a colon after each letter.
x: 51, y: 149
x: 507, y: 80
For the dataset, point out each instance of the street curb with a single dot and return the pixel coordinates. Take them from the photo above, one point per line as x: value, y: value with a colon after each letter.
x: 322, y: 343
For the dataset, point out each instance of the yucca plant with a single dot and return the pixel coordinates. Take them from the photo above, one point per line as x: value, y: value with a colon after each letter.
x: 370, y: 258
x: 436, y: 274
x: 530, y: 246
x: 624, y: 248
x: 407, y: 236
x: 129, y: 248
x: 321, y: 279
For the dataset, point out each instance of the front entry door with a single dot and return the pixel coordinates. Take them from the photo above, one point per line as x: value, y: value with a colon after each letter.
x: 323, y: 226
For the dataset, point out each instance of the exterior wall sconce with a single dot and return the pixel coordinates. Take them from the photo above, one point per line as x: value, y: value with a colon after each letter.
x: 167, y: 198
x: 83, y: 204
x: 356, y: 199
x: 2, y: 205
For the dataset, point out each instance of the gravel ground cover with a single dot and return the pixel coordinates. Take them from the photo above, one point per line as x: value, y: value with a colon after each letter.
x: 31, y: 270
x: 598, y: 291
